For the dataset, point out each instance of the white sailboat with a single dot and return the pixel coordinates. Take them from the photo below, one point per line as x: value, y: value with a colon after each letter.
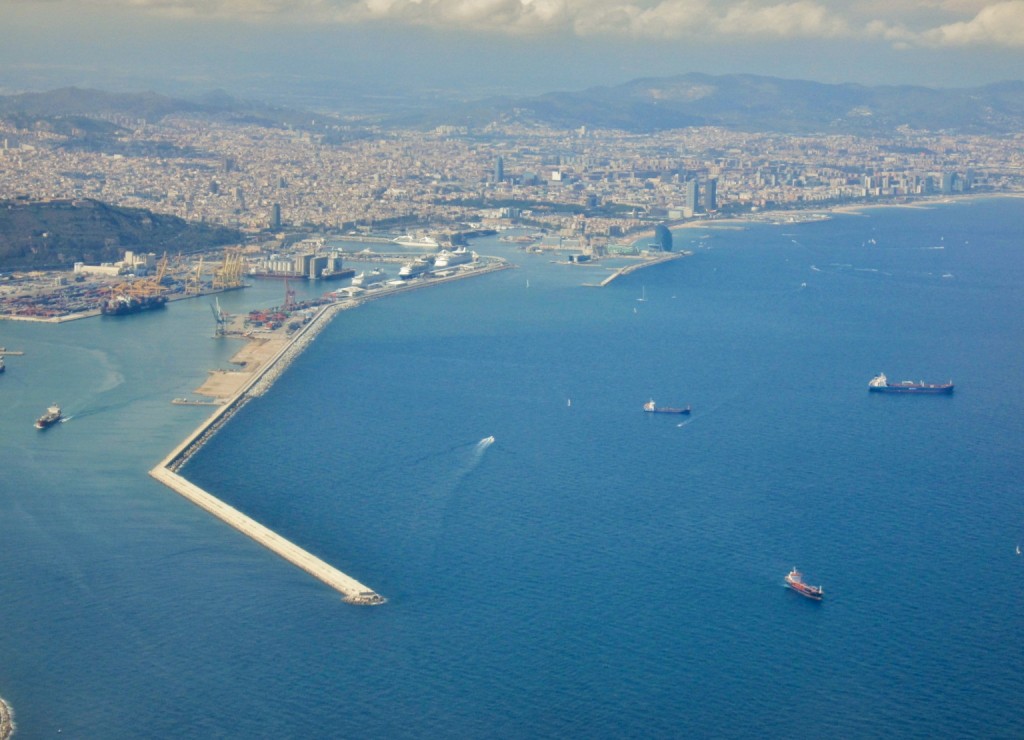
x: 643, y: 294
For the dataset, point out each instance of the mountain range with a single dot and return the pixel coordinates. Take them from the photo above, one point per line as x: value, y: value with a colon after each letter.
x: 740, y: 102
x: 762, y: 104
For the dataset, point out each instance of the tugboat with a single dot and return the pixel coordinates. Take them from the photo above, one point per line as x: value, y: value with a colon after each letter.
x: 650, y: 408
x: 881, y: 384
x: 795, y: 580
x: 51, y: 417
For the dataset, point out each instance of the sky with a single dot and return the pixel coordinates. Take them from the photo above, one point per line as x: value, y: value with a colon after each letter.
x: 295, y: 48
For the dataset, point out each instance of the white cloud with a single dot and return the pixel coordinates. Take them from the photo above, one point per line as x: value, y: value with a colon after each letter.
x: 801, y: 19
x: 899, y: 22
x: 667, y: 19
x: 1001, y: 24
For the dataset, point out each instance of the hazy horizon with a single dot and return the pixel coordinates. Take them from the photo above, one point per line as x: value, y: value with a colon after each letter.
x: 334, y: 49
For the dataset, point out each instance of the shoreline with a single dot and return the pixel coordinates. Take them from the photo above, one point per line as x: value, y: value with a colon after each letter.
x: 807, y: 213
x: 267, y: 366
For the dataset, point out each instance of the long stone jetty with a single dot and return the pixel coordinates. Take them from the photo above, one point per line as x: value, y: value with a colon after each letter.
x: 352, y: 590
x: 648, y: 262
x: 265, y: 374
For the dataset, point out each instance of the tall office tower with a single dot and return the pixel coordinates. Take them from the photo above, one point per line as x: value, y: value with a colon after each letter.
x: 275, y: 217
x: 711, y: 194
x: 692, y: 196
x: 948, y: 180
x: 499, y: 170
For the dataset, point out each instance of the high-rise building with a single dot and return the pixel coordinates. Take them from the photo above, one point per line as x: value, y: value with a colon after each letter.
x: 711, y: 194
x: 692, y: 195
x: 275, y: 217
x: 948, y: 182
x: 663, y: 237
x: 499, y: 170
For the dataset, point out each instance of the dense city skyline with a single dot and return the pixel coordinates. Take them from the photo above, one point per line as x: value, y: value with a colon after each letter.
x: 482, y: 46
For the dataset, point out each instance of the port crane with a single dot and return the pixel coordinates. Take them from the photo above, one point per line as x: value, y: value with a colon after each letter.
x: 220, y: 316
x: 232, y: 270
x: 194, y: 279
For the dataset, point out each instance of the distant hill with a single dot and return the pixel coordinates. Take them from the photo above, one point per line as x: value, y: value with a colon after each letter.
x: 757, y: 104
x: 151, y: 106
x: 739, y: 102
x: 58, y: 233
x: 94, y: 119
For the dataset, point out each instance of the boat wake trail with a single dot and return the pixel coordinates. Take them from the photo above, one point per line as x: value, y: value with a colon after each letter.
x: 465, y: 466
x: 442, y: 482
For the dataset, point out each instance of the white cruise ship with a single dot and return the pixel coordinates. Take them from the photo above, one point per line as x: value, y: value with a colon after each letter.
x: 408, y: 240
x: 455, y: 257
x: 366, y: 279
x: 415, y: 268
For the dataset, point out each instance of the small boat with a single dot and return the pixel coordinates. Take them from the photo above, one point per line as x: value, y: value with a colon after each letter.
x: 51, y: 417
x: 795, y: 580
x: 881, y: 384
x: 643, y: 294
x: 651, y: 408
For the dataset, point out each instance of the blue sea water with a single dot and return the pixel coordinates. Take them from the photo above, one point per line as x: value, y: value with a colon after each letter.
x: 596, y: 571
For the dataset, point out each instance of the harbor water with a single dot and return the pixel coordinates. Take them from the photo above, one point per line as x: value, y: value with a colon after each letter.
x: 592, y: 570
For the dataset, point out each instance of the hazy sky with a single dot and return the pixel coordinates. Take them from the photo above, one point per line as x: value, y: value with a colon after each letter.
x: 404, y: 46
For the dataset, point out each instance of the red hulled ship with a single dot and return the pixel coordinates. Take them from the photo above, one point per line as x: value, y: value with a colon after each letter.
x: 795, y: 580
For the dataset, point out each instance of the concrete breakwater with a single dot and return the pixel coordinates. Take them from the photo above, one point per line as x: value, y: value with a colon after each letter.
x: 641, y: 265
x: 166, y: 471
x: 352, y: 590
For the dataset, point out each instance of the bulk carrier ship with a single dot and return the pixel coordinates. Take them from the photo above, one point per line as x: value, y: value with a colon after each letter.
x: 881, y: 384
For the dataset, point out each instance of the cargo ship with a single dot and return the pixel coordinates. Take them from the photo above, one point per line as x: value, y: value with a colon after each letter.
x: 651, y: 408
x: 881, y: 384
x: 51, y: 417
x: 795, y: 580
x: 121, y: 305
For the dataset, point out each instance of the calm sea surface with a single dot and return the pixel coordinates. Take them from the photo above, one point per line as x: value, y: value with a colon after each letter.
x: 596, y: 571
